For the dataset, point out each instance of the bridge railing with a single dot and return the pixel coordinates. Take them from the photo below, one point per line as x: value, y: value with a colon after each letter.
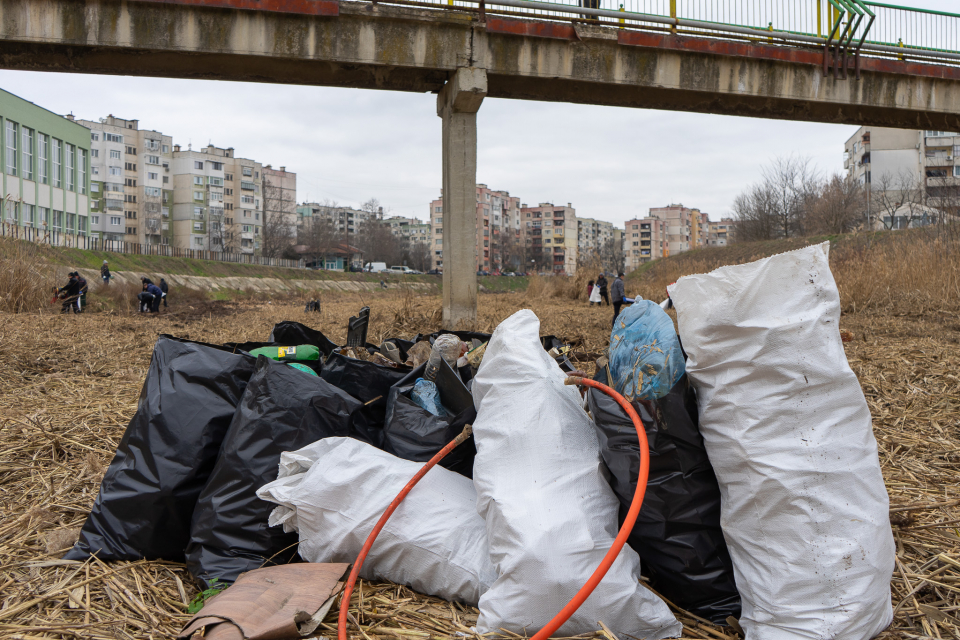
x: 870, y: 28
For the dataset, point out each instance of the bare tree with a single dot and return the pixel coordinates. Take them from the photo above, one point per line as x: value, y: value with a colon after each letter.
x: 839, y: 206
x: 898, y: 199
x: 378, y: 243
x: 279, y: 208
x: 612, y: 255
x: 776, y: 207
x: 417, y: 255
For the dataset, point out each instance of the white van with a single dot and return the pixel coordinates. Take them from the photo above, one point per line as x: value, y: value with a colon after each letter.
x: 376, y: 267
x: 406, y: 270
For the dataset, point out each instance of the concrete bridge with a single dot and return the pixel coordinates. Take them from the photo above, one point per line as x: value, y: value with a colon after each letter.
x: 465, y: 54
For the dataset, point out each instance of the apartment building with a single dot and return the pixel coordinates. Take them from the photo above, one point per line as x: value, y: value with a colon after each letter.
x: 907, y: 170
x: 280, y: 199
x: 217, y: 200
x: 551, y: 231
x: 644, y: 239
x: 46, y: 168
x: 130, y: 179
x: 593, y: 236
x: 409, y: 230
x: 498, y: 225
x: 681, y: 222
x: 346, y: 220
x: 720, y: 232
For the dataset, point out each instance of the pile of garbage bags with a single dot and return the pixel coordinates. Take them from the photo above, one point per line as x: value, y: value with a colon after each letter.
x: 764, y: 500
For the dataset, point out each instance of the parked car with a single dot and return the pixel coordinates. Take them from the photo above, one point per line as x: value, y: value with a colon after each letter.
x: 404, y: 270
x: 483, y: 273
x: 435, y: 272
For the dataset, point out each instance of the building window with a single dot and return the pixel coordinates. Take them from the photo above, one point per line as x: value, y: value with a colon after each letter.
x: 12, y: 134
x: 94, y: 136
x: 131, y: 151
x: 113, y: 137
x: 152, y: 145
x: 130, y: 166
x: 115, y: 221
x: 198, y: 212
x: 198, y: 180
x: 116, y: 171
x: 956, y: 171
x: 95, y: 219
x: 246, y: 186
x: 246, y: 199
x: 28, y: 210
x: 198, y: 195
x: 152, y: 191
x: 27, y: 153
x: 198, y: 164
x: 198, y: 242
x: 166, y: 148
x: 198, y: 226
x: 217, y: 166
x: 82, y: 171
x: 95, y: 187
x: 215, y: 182
x: 70, y: 158
x: 166, y: 179
x: 43, y: 152
x: 114, y: 154
x: 247, y: 171
x: 152, y: 159
x: 153, y: 176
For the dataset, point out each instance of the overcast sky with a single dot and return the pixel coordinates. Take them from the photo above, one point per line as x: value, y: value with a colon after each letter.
x: 349, y: 145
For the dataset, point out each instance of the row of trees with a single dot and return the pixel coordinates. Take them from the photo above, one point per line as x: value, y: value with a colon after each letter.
x: 793, y: 199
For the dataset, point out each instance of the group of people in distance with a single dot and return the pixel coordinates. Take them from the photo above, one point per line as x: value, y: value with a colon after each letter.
x: 73, y: 294
x: 598, y: 293
x: 152, y: 295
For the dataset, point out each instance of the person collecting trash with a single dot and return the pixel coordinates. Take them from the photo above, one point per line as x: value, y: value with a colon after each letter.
x: 594, y: 294
x: 150, y: 297
x: 165, y: 289
x: 617, y: 293
x: 105, y: 272
x: 69, y: 294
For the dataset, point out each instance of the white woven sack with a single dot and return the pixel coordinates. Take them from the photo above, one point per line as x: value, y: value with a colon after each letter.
x: 334, y: 491
x: 804, y: 508
x: 550, y: 513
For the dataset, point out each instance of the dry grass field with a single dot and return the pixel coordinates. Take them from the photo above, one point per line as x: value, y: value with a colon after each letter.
x: 69, y: 385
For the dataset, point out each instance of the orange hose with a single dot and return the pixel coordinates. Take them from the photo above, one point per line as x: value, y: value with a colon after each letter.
x: 355, y: 572
x: 601, y: 570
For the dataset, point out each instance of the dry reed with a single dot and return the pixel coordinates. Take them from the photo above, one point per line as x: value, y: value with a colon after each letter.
x: 26, y: 281
x: 65, y: 402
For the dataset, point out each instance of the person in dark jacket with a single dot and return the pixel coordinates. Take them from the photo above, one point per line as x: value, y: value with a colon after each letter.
x: 165, y: 288
x: 618, y: 294
x: 105, y: 272
x: 150, y: 298
x: 70, y: 294
x: 602, y: 285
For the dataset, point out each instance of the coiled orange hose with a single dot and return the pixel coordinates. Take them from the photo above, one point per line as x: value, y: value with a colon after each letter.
x: 598, y: 574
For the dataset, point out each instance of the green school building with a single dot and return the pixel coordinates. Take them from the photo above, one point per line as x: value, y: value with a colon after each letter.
x: 45, y: 166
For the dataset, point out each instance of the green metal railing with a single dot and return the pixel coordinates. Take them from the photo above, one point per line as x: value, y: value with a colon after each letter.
x: 849, y: 27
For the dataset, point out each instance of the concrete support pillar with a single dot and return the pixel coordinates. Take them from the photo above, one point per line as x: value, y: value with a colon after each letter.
x: 457, y: 104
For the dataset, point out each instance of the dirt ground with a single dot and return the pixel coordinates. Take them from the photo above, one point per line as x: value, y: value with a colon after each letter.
x: 70, y: 384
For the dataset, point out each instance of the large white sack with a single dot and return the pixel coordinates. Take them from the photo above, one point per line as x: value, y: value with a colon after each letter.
x: 787, y: 429
x: 334, y: 491
x: 550, y: 513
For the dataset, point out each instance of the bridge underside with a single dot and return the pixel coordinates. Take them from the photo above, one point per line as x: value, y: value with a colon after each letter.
x: 453, y: 54
x: 407, y: 49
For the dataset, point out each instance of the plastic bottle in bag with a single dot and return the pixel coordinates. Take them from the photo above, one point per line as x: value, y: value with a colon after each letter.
x: 447, y: 347
x: 426, y: 395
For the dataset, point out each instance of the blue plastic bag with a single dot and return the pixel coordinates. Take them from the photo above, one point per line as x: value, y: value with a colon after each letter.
x: 645, y: 355
x: 426, y: 396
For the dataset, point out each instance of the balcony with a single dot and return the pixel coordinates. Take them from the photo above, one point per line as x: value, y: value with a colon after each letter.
x: 939, y: 161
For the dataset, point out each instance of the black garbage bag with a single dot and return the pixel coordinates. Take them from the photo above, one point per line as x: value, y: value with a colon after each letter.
x: 369, y: 383
x: 413, y: 433
x: 282, y: 409
x: 677, y: 534
x: 290, y: 333
x: 167, y: 453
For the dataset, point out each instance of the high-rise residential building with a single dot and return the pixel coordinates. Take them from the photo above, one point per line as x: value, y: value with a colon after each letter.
x: 720, y: 232
x: 498, y: 226
x: 409, y: 229
x: 593, y: 236
x: 910, y: 176
x: 130, y: 170
x: 680, y: 225
x: 644, y: 239
x: 551, y: 232
x: 280, y: 200
x: 345, y: 220
x: 217, y: 201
